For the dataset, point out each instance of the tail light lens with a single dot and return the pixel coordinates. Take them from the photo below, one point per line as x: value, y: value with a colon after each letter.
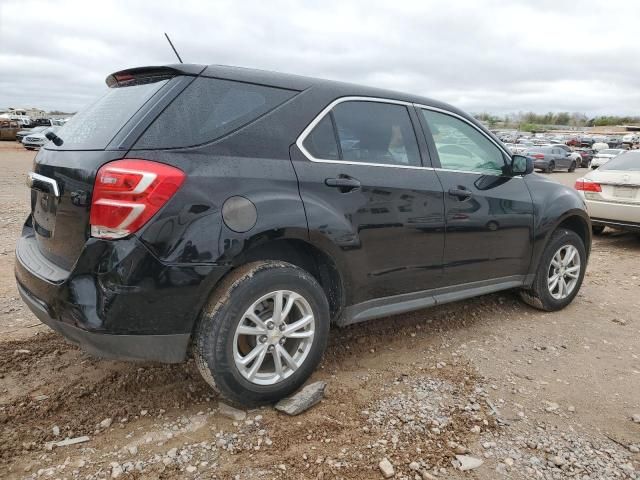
x: 538, y: 156
x: 587, y: 186
x: 127, y: 193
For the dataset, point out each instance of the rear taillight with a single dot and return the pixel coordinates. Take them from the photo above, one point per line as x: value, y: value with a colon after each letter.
x: 127, y: 193
x: 538, y: 156
x: 587, y: 185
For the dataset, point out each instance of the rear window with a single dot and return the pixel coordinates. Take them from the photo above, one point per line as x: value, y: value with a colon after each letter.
x: 95, y: 126
x: 209, y: 109
x: 629, y: 161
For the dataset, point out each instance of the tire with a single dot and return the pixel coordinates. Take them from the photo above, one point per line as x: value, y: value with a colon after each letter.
x: 551, y: 167
x: 597, y: 229
x: 572, y: 168
x: 539, y: 295
x: 217, y: 344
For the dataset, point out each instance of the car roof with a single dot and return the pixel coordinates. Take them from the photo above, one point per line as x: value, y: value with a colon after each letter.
x: 294, y: 82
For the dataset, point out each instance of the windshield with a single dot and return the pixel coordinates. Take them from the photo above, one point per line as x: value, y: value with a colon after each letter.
x: 95, y: 126
x: 629, y: 161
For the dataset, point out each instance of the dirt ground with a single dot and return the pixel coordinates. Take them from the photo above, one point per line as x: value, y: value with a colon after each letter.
x: 532, y: 394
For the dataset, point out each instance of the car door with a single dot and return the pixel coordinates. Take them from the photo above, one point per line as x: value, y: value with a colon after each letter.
x: 561, y: 157
x: 367, y: 194
x: 489, y: 213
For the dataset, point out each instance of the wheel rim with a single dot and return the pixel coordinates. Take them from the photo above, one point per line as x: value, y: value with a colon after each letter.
x: 564, y: 272
x: 274, y: 337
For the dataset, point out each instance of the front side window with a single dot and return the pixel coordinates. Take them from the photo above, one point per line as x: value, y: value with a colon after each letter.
x: 366, y: 132
x: 462, y: 147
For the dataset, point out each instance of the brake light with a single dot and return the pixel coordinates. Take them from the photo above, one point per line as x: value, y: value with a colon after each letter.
x: 587, y: 186
x: 127, y: 193
x: 538, y: 156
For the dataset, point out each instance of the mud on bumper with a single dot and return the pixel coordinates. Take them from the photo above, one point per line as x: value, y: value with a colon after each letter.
x: 162, y: 348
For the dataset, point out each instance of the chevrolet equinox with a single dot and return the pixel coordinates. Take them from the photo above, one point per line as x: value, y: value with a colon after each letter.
x: 238, y: 213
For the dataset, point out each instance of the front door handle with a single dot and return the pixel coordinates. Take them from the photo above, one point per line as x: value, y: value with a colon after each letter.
x: 344, y: 184
x: 461, y: 194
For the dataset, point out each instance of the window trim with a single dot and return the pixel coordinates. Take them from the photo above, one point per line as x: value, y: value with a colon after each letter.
x: 327, y: 110
x: 472, y: 125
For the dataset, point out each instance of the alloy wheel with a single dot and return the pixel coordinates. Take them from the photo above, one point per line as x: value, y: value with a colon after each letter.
x: 274, y: 337
x: 564, y: 272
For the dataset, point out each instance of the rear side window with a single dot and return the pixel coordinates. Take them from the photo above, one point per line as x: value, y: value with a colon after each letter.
x: 208, y: 109
x: 95, y: 126
x: 366, y: 132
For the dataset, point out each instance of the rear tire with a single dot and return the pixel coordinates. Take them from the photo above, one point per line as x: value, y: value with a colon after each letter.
x: 544, y: 294
x: 597, y: 229
x: 550, y: 168
x: 240, y: 319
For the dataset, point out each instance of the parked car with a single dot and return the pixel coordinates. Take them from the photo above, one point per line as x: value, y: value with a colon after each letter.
x: 8, y: 129
x: 597, y: 146
x: 240, y: 213
x: 631, y: 138
x: 587, y: 155
x: 551, y: 158
x: 603, y: 156
x: 572, y: 154
x: 586, y: 142
x: 36, y: 140
x: 612, y: 193
x: 41, y: 122
x: 30, y: 131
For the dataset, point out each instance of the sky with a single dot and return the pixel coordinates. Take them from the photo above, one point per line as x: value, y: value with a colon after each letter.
x: 479, y: 55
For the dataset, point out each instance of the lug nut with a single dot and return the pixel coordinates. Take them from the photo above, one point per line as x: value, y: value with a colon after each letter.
x: 263, y: 338
x: 282, y: 327
x: 282, y: 340
x: 270, y: 325
x: 270, y: 348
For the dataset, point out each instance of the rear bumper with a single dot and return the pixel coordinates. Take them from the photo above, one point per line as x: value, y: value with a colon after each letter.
x: 613, y: 212
x: 118, y: 300
x: 160, y: 348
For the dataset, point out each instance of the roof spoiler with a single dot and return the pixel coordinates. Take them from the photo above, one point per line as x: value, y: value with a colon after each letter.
x: 131, y: 76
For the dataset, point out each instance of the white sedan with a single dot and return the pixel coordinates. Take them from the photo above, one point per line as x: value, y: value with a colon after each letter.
x: 603, y: 156
x: 612, y: 193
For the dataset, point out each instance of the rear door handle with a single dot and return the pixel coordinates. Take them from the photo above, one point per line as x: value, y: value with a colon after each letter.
x: 461, y: 193
x: 344, y: 184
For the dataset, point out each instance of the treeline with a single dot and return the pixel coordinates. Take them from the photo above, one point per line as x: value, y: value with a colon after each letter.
x: 556, y: 118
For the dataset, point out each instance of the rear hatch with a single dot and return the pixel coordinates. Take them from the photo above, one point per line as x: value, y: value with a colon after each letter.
x: 63, y: 175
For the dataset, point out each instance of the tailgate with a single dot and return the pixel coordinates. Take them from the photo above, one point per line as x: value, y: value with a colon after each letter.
x: 60, y: 199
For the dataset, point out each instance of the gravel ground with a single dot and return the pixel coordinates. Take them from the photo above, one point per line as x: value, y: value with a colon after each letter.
x: 488, y: 382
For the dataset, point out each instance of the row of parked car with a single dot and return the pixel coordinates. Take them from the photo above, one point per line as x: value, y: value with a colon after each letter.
x: 34, y: 138
x: 551, y: 157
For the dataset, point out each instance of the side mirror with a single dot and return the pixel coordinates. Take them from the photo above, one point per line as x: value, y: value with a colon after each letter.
x: 521, y: 165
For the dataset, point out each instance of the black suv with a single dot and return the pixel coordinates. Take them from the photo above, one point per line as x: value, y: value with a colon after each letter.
x: 238, y: 213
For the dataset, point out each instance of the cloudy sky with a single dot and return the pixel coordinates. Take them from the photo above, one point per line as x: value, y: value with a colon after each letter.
x: 495, y: 56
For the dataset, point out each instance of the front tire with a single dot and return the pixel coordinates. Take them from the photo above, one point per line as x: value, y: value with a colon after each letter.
x: 560, y: 272
x: 262, y: 333
x: 572, y: 168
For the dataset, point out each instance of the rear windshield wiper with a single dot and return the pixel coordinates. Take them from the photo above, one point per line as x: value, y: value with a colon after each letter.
x: 54, y: 138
